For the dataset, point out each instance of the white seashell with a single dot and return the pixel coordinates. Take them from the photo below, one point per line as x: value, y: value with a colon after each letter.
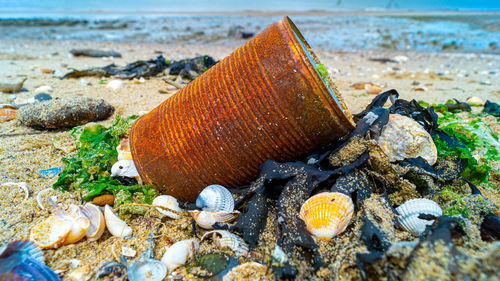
x: 124, y: 168
x: 179, y: 253
x: 206, y: 219
x: 147, y: 270
x: 115, y: 84
x: 224, y: 239
x: 115, y: 225
x: 128, y: 252
x: 97, y: 221
x: 43, y: 89
x: 411, y: 209
x: 475, y: 101
x: 22, y: 185
x: 215, y: 198
x: 39, y: 197
x: 400, y: 59
x: 170, y: 202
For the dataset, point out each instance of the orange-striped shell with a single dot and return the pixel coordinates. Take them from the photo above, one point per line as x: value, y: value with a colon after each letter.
x: 327, y: 214
x: 7, y: 114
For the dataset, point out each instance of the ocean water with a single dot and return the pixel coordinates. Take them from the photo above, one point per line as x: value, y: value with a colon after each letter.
x: 426, y: 32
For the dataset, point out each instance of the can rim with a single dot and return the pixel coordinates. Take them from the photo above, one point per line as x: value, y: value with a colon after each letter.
x: 335, y: 103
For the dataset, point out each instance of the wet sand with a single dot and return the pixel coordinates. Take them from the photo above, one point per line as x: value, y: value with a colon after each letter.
x: 24, y: 151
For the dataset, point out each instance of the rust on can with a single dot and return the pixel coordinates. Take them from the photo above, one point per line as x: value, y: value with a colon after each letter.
x: 266, y: 100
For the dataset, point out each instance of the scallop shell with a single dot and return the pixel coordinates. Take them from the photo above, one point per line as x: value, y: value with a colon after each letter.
x: 215, y: 198
x: 179, y: 253
x: 411, y: 209
x: 403, y: 137
x: 97, y: 221
x: 147, y: 270
x: 115, y: 225
x: 224, y: 239
x: 124, y: 168
x: 327, y: 214
x: 206, y: 219
x: 246, y: 271
x: 170, y: 202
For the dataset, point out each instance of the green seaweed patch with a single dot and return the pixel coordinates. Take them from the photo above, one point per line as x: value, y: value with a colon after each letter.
x: 323, y: 73
x: 134, y: 194
x: 88, y: 169
x: 465, y: 205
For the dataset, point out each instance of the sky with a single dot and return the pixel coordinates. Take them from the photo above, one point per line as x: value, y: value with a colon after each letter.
x: 241, y: 5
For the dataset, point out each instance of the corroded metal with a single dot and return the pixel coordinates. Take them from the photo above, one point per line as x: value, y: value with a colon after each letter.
x: 264, y: 101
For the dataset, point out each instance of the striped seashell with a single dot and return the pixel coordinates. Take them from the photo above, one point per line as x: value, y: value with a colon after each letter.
x: 327, y: 214
x: 411, y: 209
x: 215, y: 198
x: 170, y: 202
x: 206, y: 219
x: 224, y: 239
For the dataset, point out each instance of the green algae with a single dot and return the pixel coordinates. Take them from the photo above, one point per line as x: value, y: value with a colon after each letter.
x: 323, y: 73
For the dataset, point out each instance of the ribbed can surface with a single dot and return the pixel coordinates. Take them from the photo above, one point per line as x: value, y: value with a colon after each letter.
x: 264, y: 101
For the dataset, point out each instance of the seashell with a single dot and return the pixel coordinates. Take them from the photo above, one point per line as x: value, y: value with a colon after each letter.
x: 179, y: 253
x: 224, y: 239
x: 147, y: 270
x: 106, y: 199
x: 7, y: 114
x: 475, y: 101
x: 110, y: 267
x: 207, y: 219
x: 43, y: 89
x: 124, y: 150
x: 246, y: 271
x: 128, y: 252
x: 80, y: 274
x: 115, y: 84
x: 403, y: 137
x: 170, y: 202
x: 12, y: 87
x: 97, y: 221
x: 327, y: 214
x: 46, y: 70
x: 215, y: 198
x: 411, y: 209
x: 372, y: 90
x: 115, y: 225
x: 124, y: 168
x: 22, y: 185
x: 23, y: 260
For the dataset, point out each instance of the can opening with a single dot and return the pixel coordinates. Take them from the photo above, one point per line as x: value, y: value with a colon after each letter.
x: 320, y: 70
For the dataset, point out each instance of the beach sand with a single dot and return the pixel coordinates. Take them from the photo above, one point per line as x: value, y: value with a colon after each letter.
x: 24, y: 151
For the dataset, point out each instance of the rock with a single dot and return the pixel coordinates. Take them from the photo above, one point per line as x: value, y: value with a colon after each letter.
x: 94, y: 53
x: 103, y: 200
x: 12, y: 87
x: 63, y: 113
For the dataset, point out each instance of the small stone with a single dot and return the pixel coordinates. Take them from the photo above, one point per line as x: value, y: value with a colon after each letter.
x: 66, y: 112
x: 103, y: 200
x: 46, y: 70
x: 115, y: 84
x: 486, y: 82
x: 43, y: 89
x: 372, y: 90
x: 8, y: 87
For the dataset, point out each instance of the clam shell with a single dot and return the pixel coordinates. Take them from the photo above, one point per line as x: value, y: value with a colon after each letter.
x: 246, y: 271
x: 224, y: 239
x: 170, y: 202
x: 115, y: 225
x: 147, y: 270
x: 206, y: 219
x: 179, y: 253
x: 97, y: 221
x: 411, y: 209
x: 124, y: 168
x: 403, y: 137
x: 215, y: 198
x: 327, y: 214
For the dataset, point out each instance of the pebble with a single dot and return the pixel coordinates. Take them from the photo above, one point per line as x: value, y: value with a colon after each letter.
x: 84, y: 82
x: 7, y: 87
x: 63, y: 113
x: 43, y: 89
x: 372, y: 90
x: 103, y: 200
x: 46, y: 70
x: 115, y: 84
x: 485, y: 82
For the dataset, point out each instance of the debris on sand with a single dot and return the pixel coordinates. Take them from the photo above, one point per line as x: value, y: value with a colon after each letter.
x: 8, y: 87
x: 64, y: 113
x: 94, y: 53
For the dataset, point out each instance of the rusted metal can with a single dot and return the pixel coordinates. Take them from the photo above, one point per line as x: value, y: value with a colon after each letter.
x: 266, y: 100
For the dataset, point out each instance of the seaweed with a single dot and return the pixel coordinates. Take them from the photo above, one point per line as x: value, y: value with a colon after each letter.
x: 89, y: 168
x: 323, y: 73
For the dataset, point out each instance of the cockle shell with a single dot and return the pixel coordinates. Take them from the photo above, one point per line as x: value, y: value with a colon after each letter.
x: 403, y: 137
x: 179, y: 253
x: 115, y: 225
x: 170, y: 202
x: 215, y: 198
x: 124, y: 150
x: 327, y: 214
x: 124, y: 168
x: 97, y: 221
x: 206, y: 219
x: 224, y: 239
x: 411, y: 209
x: 246, y: 271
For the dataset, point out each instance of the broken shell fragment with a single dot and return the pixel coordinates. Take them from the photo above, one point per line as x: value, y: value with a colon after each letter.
x: 97, y: 221
x: 7, y: 114
x: 124, y: 150
x: 124, y: 168
x: 206, y: 219
x: 215, y: 198
x: 115, y: 225
x: 327, y: 214
x: 403, y: 137
x: 372, y: 90
x: 179, y: 253
x: 224, y: 239
x: 169, y: 202
x: 411, y: 209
